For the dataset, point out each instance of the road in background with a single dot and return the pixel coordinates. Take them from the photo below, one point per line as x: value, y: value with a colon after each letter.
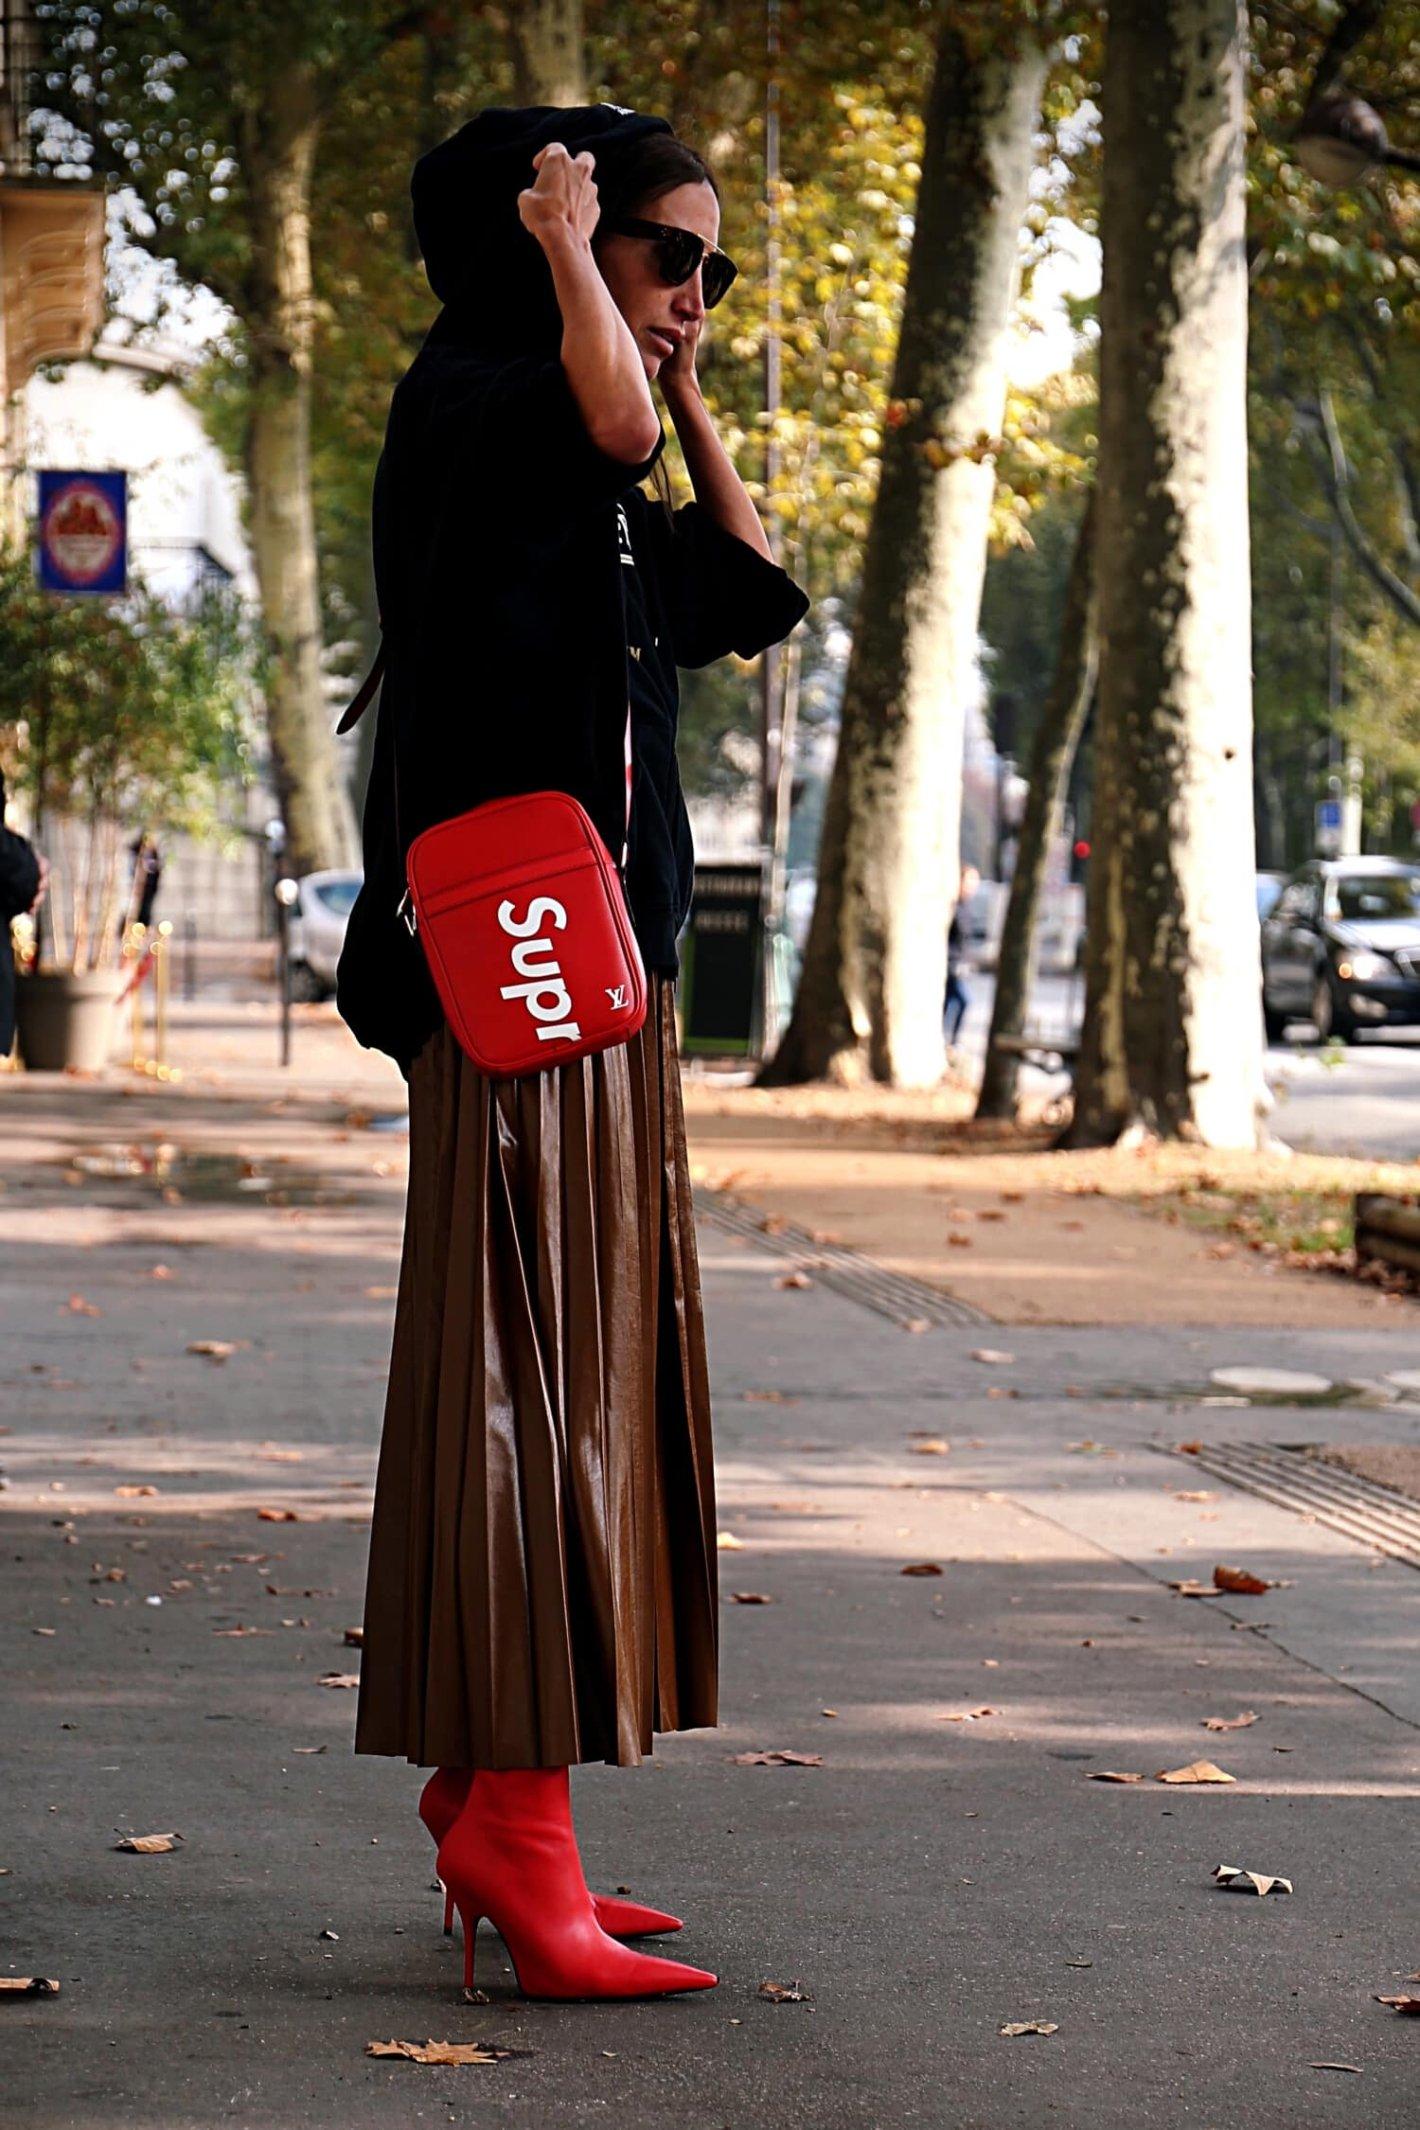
x: 1363, y: 1099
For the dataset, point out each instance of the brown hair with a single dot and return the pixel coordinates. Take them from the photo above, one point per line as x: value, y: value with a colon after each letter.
x: 651, y: 167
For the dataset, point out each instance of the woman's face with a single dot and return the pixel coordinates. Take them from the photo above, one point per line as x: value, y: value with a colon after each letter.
x: 628, y: 266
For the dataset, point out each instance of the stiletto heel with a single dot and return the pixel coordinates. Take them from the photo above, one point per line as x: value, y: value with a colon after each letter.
x: 511, y: 1855
x: 470, y: 1922
x: 440, y: 1803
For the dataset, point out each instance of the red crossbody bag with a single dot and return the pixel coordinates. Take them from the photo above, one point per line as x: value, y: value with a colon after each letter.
x: 518, y: 905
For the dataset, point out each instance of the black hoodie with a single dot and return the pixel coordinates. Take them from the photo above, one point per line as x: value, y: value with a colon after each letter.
x: 499, y: 575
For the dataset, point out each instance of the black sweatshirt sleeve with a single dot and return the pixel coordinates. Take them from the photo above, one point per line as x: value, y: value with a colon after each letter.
x: 721, y: 594
x: 526, y: 436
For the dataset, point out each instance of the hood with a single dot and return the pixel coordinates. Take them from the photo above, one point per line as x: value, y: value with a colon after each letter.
x: 1386, y: 933
x: 488, y: 271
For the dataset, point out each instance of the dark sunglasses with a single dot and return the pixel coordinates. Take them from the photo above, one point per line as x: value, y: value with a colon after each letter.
x: 679, y: 252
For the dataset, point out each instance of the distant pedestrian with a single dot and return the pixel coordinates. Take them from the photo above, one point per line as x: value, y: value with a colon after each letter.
x: 542, y: 1580
x: 958, y: 998
x: 147, y: 876
x: 22, y: 879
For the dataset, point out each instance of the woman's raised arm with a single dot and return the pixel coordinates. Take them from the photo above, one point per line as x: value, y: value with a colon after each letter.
x: 599, y: 352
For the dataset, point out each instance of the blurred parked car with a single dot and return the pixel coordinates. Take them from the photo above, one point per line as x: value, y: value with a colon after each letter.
x: 1341, y: 948
x: 323, y: 906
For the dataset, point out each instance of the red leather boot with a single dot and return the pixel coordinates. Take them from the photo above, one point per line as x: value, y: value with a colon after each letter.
x: 440, y: 1803
x: 511, y: 1855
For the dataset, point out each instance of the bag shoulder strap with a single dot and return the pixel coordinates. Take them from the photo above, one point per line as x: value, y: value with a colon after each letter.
x: 355, y: 709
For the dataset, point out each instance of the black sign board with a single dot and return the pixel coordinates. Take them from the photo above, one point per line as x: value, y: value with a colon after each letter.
x: 720, y: 962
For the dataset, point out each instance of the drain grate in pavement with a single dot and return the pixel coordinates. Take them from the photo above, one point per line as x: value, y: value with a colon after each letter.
x: 1294, y: 1478
x: 906, y: 1301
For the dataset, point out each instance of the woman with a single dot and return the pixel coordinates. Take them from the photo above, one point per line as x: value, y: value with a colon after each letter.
x: 542, y: 1586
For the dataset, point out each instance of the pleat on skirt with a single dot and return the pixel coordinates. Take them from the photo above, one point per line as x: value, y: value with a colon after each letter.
x: 542, y: 1578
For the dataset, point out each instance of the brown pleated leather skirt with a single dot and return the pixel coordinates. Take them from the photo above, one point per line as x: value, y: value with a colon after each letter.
x: 542, y: 1581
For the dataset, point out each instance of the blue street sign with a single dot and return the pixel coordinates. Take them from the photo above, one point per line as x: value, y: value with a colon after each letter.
x: 1328, y: 815
x: 83, y: 532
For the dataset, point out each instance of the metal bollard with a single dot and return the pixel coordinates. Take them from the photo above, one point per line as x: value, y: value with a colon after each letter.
x: 287, y: 895
x: 189, y: 959
x: 132, y: 949
x: 161, y: 950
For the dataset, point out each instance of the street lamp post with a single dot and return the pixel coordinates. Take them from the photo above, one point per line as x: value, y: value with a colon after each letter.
x: 771, y: 762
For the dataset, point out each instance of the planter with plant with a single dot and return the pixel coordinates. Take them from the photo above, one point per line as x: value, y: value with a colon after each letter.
x: 116, y: 718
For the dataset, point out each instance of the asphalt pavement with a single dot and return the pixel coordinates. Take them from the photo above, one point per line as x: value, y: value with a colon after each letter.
x: 946, y: 1580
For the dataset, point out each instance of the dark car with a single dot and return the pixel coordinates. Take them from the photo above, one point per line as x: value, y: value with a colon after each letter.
x: 1341, y: 948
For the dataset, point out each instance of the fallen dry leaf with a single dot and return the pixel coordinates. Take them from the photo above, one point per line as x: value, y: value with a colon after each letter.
x: 272, y: 1453
x: 354, y: 1638
x: 785, y: 1992
x: 443, y: 2051
x: 1239, y: 1881
x: 1030, y: 2026
x: 1196, y: 1771
x: 129, y: 1493
x: 934, y: 1446
x: 990, y: 1354
x: 1195, y: 1494
x: 1241, y: 1582
x: 381, y: 1294
x: 279, y: 1516
x: 1112, y: 1775
x: 1230, y: 1723
x: 1190, y: 1587
x: 920, y: 1568
x: 776, y: 1760
x: 726, y: 1542
x: 148, y: 1844
x: 969, y: 1715
x: 212, y: 1349
x: 339, y: 1678
x: 1410, y: 2005
x: 77, y: 1306
x: 28, y: 1986
x: 793, y: 1279
x: 751, y: 1597
x: 1355, y: 2068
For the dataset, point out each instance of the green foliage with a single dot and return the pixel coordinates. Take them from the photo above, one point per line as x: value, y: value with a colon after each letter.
x: 116, y: 716
x: 126, y: 708
x: 1334, y: 288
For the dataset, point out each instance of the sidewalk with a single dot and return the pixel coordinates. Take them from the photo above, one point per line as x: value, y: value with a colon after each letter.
x: 925, y: 1883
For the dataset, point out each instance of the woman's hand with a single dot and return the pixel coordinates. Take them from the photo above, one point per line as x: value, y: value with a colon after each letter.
x: 677, y: 373
x: 562, y: 202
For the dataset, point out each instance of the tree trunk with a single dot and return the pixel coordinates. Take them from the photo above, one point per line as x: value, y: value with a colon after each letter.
x: 278, y: 154
x: 549, y: 52
x: 869, y: 1001
x: 1057, y: 736
x: 1172, y: 1040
